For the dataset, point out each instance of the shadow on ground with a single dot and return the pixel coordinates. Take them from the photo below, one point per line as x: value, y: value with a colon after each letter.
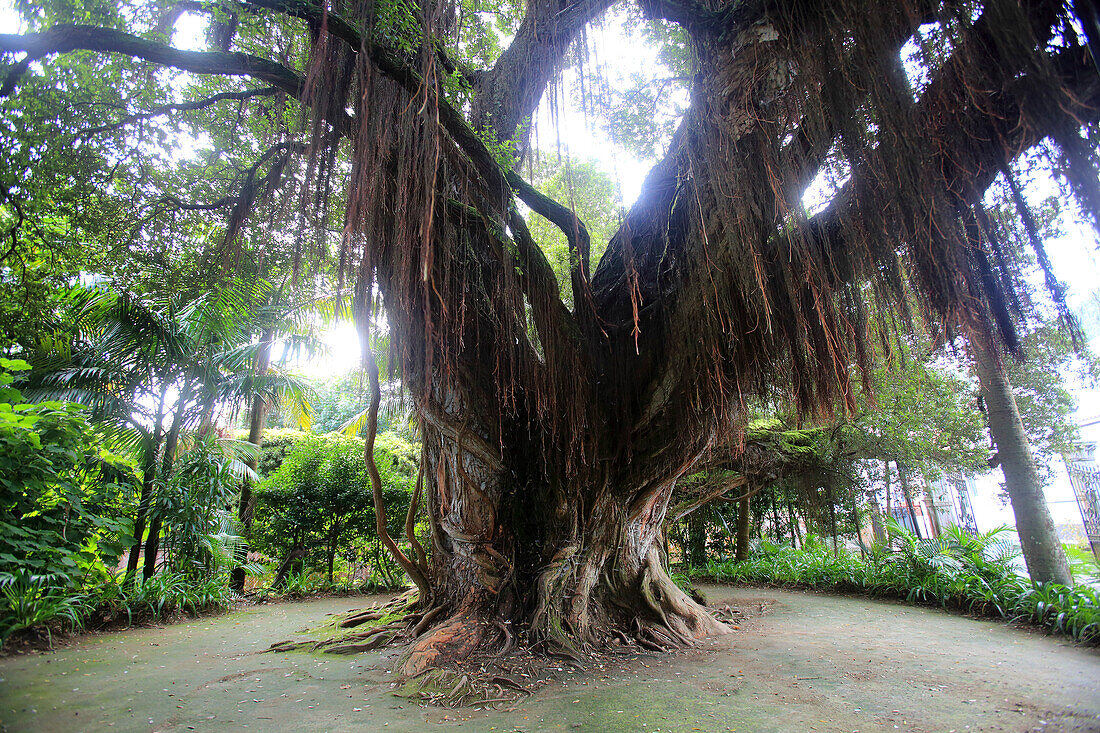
x: 805, y: 662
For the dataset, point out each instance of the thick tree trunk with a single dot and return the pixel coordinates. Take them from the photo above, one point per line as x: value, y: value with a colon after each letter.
x: 741, y: 551
x: 510, y: 550
x: 1046, y: 561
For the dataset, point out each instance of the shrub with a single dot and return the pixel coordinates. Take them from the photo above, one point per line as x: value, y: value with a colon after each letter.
x: 318, y: 505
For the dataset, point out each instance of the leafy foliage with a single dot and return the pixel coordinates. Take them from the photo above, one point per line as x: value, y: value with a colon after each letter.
x: 586, y: 188
x: 318, y: 500
x: 195, y: 506
x: 62, y: 498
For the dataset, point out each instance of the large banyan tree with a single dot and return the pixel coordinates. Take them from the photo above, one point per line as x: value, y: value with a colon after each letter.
x: 554, y: 433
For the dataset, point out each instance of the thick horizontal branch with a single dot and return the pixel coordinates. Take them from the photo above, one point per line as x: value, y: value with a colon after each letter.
x: 179, y: 205
x: 69, y: 38
x: 510, y: 91
x: 687, y: 506
x: 687, y: 13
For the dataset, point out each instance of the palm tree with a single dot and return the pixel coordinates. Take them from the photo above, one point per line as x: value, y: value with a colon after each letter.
x: 154, y: 369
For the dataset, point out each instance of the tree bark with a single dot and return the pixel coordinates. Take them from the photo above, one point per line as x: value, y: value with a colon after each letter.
x: 741, y: 551
x: 696, y: 540
x: 796, y: 534
x: 887, y: 474
x: 1043, y: 553
x: 148, y: 476
x: 527, y: 526
x: 933, y: 517
x: 171, y: 442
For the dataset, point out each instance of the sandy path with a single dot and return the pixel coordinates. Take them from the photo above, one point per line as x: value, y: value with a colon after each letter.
x: 808, y: 662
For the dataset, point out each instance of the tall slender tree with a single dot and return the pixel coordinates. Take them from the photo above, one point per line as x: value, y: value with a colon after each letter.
x: 1042, y: 549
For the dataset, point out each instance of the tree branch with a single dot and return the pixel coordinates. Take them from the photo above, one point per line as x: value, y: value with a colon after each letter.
x: 576, y: 233
x: 687, y: 506
x: 509, y: 92
x: 68, y: 38
x: 182, y: 107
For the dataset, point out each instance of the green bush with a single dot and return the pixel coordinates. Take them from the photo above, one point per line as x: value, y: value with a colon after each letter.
x: 277, y: 443
x: 319, y: 502
x: 973, y: 574
x: 199, y: 526
x: 62, y: 499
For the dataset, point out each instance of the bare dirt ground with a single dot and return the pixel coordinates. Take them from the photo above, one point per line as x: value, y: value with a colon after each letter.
x: 802, y: 662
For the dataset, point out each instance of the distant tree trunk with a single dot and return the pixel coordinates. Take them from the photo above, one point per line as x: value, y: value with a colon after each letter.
x: 297, y: 552
x: 330, y: 550
x: 795, y: 534
x: 775, y: 519
x: 741, y: 549
x: 696, y: 539
x: 148, y: 476
x: 832, y: 521
x: 903, y: 479
x: 934, y: 518
x: 859, y: 535
x: 1046, y: 561
x: 877, y: 529
x: 257, y: 415
x: 889, y: 490
x: 246, y: 507
x: 152, y: 543
x: 725, y: 525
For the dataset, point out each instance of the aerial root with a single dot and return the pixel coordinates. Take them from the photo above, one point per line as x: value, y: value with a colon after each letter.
x: 503, y: 627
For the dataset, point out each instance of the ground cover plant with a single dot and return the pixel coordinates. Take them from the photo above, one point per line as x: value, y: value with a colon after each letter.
x: 964, y: 572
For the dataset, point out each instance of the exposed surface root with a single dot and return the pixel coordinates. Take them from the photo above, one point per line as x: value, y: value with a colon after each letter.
x: 452, y: 641
x: 467, y: 660
x: 456, y: 688
x: 360, y: 618
x: 393, y: 622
